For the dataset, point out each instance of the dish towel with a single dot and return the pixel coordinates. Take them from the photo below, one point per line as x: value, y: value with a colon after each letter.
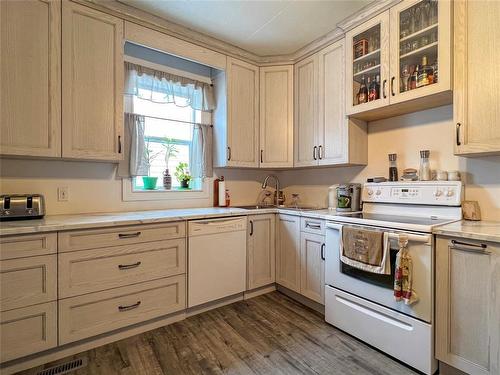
x: 403, y: 274
x: 364, y: 249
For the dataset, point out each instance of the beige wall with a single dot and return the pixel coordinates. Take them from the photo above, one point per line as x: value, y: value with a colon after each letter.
x: 94, y: 188
x: 406, y: 135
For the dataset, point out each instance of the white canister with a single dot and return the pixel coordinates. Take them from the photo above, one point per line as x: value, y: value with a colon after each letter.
x: 453, y: 176
x: 441, y: 175
x: 332, y: 197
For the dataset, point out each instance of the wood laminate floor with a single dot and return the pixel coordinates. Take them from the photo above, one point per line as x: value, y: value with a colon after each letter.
x: 269, y: 334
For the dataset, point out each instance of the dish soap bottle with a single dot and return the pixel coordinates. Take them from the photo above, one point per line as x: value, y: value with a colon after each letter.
x: 393, y: 168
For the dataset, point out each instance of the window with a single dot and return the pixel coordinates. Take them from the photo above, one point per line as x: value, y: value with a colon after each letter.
x: 161, y: 134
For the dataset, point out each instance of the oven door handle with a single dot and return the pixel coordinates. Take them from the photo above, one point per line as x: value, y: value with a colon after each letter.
x: 426, y: 239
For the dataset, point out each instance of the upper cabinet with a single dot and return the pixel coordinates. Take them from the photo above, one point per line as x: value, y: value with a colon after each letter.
x: 92, y: 84
x: 323, y: 133
x: 276, y: 116
x: 400, y: 61
x: 476, y: 109
x: 30, y: 81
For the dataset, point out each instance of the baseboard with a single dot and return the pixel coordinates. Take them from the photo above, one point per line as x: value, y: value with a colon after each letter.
x: 213, y: 305
x: 60, y: 352
x: 303, y: 300
x: 259, y: 291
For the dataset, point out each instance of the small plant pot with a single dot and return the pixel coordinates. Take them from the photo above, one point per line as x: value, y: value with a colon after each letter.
x: 184, y: 184
x: 149, y: 182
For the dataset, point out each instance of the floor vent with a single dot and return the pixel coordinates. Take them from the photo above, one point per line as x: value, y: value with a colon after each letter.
x: 65, y: 367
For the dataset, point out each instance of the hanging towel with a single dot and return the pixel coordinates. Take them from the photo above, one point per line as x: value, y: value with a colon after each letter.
x: 367, y: 250
x: 403, y: 274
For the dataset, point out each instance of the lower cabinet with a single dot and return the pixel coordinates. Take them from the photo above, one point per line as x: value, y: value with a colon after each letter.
x: 312, y: 266
x: 468, y: 305
x: 288, y: 252
x: 28, y: 330
x: 95, y: 313
x: 261, y: 250
x: 300, y: 256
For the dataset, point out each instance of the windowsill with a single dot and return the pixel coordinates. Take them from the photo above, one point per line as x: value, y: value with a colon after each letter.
x: 131, y: 194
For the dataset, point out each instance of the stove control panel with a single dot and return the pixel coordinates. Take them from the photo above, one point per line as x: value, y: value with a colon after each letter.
x: 443, y: 193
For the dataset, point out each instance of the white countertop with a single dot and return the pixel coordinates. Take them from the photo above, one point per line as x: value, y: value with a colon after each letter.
x: 52, y: 223
x: 477, y: 230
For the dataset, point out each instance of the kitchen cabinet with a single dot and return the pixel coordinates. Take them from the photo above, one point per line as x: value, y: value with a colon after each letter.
x: 276, y: 116
x: 236, y: 130
x: 288, y: 252
x: 30, y: 110
x: 476, y: 109
x: 306, y: 114
x: 312, y: 272
x: 323, y: 133
x: 261, y: 250
x: 388, y: 48
x: 92, y: 84
x: 467, y: 304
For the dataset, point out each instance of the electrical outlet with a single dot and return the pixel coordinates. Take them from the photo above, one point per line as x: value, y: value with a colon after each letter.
x: 63, y: 194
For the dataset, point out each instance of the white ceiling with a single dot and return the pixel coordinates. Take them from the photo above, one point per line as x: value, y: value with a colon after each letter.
x: 262, y: 27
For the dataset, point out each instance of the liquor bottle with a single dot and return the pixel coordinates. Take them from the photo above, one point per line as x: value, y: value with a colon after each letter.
x: 405, y: 75
x: 412, y: 81
x: 374, y: 89
x: 425, y: 74
x: 363, y: 92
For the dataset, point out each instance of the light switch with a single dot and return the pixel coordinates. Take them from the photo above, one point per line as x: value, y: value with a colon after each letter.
x: 63, y: 194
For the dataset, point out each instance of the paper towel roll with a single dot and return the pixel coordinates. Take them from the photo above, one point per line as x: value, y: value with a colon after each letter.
x: 222, y: 193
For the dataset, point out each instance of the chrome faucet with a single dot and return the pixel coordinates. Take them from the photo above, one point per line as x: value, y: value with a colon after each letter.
x: 278, y: 198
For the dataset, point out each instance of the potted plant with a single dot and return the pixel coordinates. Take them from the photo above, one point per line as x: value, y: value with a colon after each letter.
x: 182, y: 175
x: 170, y: 151
x: 149, y: 181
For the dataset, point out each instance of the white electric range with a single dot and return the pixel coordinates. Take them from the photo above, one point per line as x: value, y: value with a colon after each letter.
x: 362, y: 303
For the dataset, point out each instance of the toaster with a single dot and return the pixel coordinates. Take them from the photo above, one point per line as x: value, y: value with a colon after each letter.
x: 21, y: 206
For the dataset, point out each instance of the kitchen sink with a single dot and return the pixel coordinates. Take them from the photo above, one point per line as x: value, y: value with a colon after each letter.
x: 258, y: 207
x: 253, y: 207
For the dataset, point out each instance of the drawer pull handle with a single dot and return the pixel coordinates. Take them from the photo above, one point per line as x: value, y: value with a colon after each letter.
x: 470, y: 247
x: 313, y: 226
x: 323, y: 252
x: 129, y: 307
x: 129, y: 266
x: 129, y: 235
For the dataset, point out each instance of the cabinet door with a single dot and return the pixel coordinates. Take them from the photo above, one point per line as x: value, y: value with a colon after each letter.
x: 367, y: 56
x: 92, y: 84
x: 261, y: 251
x: 332, y: 124
x: 276, y: 116
x: 420, y: 29
x: 288, y: 252
x: 476, y: 108
x: 242, y: 114
x: 30, y: 81
x: 312, y: 270
x: 467, y: 305
x: 306, y: 114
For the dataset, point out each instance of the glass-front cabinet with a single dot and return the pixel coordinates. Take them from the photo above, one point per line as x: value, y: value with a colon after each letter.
x: 420, y: 47
x: 400, y: 55
x: 367, y: 69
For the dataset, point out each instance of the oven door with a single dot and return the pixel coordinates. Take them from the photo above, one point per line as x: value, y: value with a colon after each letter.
x: 379, y: 288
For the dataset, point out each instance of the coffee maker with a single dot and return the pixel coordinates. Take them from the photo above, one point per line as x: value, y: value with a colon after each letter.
x: 348, y: 197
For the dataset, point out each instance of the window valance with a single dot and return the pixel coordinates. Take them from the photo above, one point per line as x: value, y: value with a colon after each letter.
x: 162, y: 87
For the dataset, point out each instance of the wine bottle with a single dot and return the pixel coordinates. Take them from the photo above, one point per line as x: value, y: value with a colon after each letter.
x: 363, y: 92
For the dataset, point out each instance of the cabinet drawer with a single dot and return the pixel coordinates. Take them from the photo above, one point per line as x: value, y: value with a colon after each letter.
x: 96, y: 313
x: 28, y: 330
x: 97, y: 238
x: 29, y: 245
x: 89, y: 271
x: 315, y: 226
x: 28, y: 281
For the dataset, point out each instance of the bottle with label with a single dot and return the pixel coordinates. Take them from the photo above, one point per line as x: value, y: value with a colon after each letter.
x: 363, y: 92
x: 412, y: 83
x: 425, y: 73
x: 374, y: 89
x: 393, y: 168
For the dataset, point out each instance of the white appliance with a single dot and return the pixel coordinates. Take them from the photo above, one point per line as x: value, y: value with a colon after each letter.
x: 362, y: 303
x: 216, y: 259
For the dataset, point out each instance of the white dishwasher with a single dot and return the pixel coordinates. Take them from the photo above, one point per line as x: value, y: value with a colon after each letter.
x: 216, y: 259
